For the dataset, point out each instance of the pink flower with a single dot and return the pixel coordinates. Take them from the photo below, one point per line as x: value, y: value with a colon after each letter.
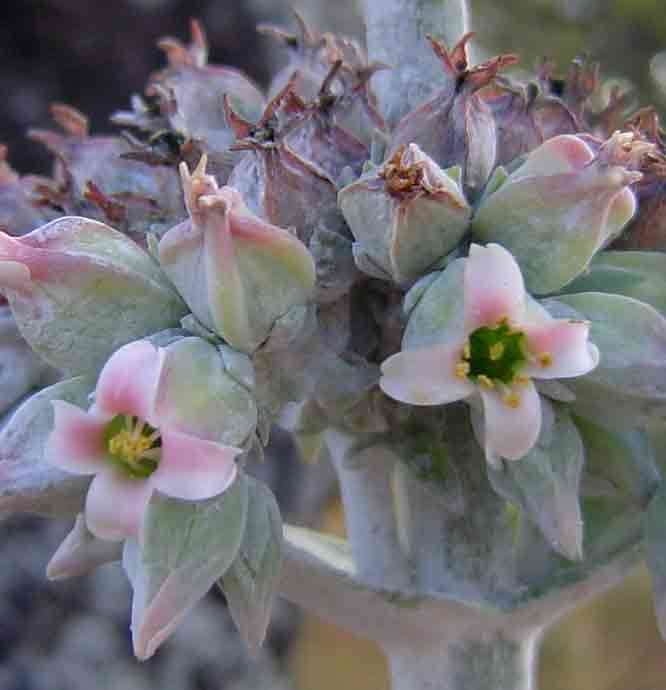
x: 507, y: 340
x: 123, y: 440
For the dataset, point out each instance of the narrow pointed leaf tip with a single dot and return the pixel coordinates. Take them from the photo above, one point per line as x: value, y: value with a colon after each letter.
x: 184, y: 548
x: 251, y: 583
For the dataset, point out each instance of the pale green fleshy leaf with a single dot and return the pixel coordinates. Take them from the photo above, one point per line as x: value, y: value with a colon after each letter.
x: 655, y: 553
x: 438, y: 316
x: 81, y: 552
x: 27, y: 483
x: 546, y: 481
x: 251, y: 582
x: 196, y: 394
x: 640, y: 275
x: 116, y: 295
x: 185, y: 547
x: 618, y: 463
x: 628, y: 387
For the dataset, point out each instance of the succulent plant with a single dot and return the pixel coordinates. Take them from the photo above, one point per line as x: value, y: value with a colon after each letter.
x: 448, y: 282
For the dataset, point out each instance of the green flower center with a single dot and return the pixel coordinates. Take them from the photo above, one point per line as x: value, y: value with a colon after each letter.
x: 493, y: 357
x: 133, y: 446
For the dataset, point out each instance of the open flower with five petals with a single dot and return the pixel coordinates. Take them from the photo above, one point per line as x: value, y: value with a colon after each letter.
x: 131, y: 442
x: 506, y: 340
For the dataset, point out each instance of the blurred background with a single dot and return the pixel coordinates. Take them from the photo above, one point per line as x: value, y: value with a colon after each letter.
x: 75, y: 635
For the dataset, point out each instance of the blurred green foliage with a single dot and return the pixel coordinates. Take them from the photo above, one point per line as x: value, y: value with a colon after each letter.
x: 623, y: 35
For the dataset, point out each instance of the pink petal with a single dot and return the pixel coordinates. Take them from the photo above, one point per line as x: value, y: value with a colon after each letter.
x: 511, y: 432
x: 622, y: 210
x: 567, y: 346
x: 116, y: 504
x: 14, y: 275
x: 494, y: 288
x: 562, y: 154
x: 193, y: 468
x: 76, y: 443
x: 425, y: 376
x: 128, y: 381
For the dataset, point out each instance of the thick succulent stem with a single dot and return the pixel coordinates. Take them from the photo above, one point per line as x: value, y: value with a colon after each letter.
x: 489, y: 662
x: 365, y: 485
x: 396, y: 31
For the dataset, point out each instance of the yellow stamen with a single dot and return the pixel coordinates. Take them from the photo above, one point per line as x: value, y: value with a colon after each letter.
x: 130, y: 447
x: 462, y: 370
x: 511, y: 400
x: 485, y: 382
x: 496, y: 351
x: 545, y: 359
x: 467, y: 351
x: 521, y: 379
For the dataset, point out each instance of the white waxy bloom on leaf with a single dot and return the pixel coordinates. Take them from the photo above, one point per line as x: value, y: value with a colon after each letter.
x: 506, y: 341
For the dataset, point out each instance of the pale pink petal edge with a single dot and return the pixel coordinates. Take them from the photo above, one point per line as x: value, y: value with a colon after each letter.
x: 192, y: 468
x: 116, y: 505
x: 511, y: 432
x: 425, y: 376
x: 494, y: 287
x: 76, y: 444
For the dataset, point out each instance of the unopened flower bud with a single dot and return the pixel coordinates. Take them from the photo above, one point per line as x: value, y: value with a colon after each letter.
x: 561, y: 206
x: 406, y: 215
x: 237, y: 273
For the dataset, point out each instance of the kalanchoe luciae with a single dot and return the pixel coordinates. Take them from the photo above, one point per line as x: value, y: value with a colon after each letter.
x: 406, y: 215
x: 456, y: 127
x: 142, y: 434
x: 504, y: 342
x: 562, y: 205
x: 237, y: 273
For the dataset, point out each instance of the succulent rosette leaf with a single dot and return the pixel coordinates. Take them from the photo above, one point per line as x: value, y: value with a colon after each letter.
x: 628, y: 388
x: 28, y: 484
x: 639, y: 275
x: 146, y: 433
x: 407, y: 215
x: 561, y: 206
x: 79, y: 290
x: 21, y: 370
x: 456, y: 127
x: 503, y: 343
x: 253, y: 272
x: 81, y: 552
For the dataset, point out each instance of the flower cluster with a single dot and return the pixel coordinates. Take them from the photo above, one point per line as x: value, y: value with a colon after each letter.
x: 333, y: 255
